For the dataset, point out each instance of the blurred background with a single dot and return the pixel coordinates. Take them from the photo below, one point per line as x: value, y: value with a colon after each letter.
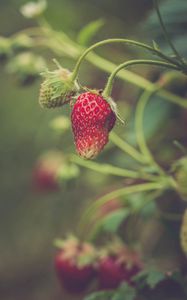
x: 30, y: 219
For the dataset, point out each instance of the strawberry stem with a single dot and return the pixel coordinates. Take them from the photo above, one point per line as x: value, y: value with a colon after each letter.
x: 111, y: 170
x: 126, y: 41
x: 140, y: 130
x: 127, y: 148
x: 61, y: 43
x: 108, y: 88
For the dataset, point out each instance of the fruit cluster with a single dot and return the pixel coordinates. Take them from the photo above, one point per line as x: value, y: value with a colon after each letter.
x: 92, y: 115
x: 78, y: 264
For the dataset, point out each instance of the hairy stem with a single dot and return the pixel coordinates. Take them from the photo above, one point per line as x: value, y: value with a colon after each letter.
x: 127, y: 148
x: 109, y: 85
x: 104, y: 168
x: 112, y: 170
x: 139, y: 115
x: 61, y: 43
x: 126, y: 41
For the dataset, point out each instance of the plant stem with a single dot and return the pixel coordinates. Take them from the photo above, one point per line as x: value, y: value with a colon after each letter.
x: 140, y: 108
x: 117, y: 193
x: 104, y: 168
x: 126, y: 41
x: 111, y: 170
x: 135, y: 79
x: 166, y: 34
x: 61, y: 43
x: 108, y: 88
x: 140, y: 130
x: 127, y: 148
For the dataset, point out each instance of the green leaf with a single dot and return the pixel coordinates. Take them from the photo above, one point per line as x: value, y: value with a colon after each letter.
x: 148, y: 210
x: 154, y: 277
x: 151, y: 277
x: 125, y: 292
x: 156, y: 112
x: 112, y: 222
x: 87, y: 33
x: 104, y: 295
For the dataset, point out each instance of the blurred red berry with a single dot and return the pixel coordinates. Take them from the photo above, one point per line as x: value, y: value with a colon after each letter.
x: 115, y: 269
x: 45, y: 171
x: 75, y: 267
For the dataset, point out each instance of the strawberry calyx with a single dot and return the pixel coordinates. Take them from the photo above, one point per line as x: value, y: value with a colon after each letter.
x: 78, y: 253
x: 122, y: 255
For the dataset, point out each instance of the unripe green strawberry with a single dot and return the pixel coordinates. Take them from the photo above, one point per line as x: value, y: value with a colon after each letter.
x: 181, y: 177
x: 57, y: 89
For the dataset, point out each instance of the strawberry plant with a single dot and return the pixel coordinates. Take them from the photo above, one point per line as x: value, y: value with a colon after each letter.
x: 107, y: 260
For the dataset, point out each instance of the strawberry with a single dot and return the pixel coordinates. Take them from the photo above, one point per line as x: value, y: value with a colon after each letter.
x: 116, y: 268
x: 45, y: 171
x: 74, y: 265
x: 57, y: 89
x: 92, y: 119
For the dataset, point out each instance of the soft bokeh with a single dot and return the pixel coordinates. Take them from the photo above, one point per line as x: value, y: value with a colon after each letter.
x: 30, y: 219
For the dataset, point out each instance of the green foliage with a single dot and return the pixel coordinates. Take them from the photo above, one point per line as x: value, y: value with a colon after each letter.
x: 150, y: 276
x: 112, y: 222
x: 104, y: 295
x: 174, y: 16
x: 38, y: 221
x: 124, y: 292
x: 86, y: 35
x: 156, y: 112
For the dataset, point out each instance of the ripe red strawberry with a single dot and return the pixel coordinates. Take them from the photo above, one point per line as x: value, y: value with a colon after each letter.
x: 92, y: 120
x: 115, y: 269
x: 74, y: 265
